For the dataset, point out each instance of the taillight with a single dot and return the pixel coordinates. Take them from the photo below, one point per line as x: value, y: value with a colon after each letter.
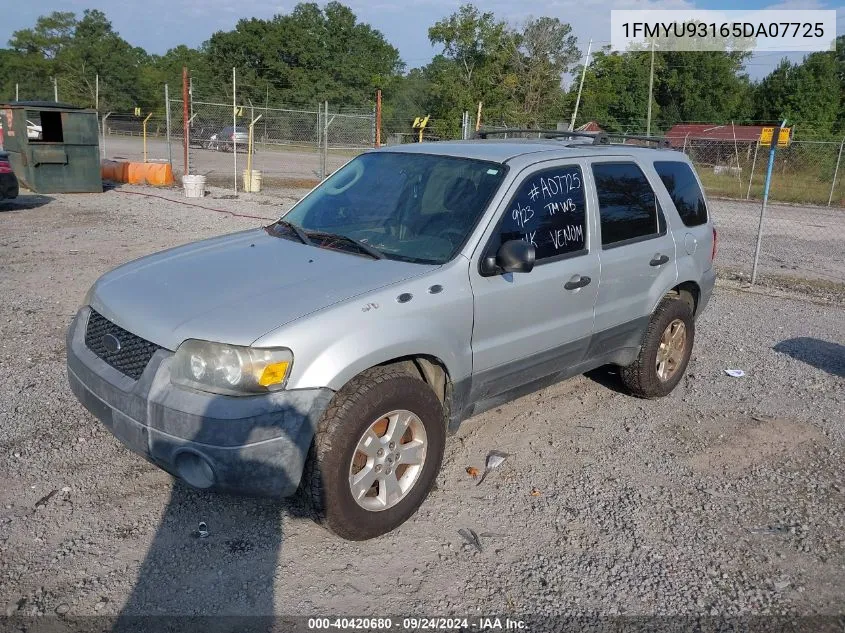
x: 715, y: 243
x: 5, y: 167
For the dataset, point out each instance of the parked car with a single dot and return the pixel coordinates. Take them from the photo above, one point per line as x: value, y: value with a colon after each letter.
x: 8, y: 180
x: 229, y: 139
x: 333, y: 351
x: 33, y: 130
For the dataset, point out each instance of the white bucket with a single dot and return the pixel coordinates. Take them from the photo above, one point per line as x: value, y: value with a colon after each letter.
x: 194, y: 186
x: 252, y: 185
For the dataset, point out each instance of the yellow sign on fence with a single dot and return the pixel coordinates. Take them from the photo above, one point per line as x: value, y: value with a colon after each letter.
x: 784, y: 136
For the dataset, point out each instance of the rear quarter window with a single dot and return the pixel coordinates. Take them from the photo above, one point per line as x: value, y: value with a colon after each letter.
x: 683, y: 188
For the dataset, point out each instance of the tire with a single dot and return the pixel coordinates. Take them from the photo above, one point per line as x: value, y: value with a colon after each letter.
x: 643, y: 377
x: 326, y: 486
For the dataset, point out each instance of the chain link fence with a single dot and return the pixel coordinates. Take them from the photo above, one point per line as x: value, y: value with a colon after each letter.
x: 289, y: 145
x: 802, y: 233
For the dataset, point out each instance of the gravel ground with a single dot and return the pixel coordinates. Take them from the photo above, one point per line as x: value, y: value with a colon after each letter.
x: 725, y: 498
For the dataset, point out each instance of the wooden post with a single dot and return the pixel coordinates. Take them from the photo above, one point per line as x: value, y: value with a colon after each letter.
x: 478, y: 118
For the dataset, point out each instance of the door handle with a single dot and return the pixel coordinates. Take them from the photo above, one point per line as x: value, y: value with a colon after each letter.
x: 578, y: 281
x: 658, y: 260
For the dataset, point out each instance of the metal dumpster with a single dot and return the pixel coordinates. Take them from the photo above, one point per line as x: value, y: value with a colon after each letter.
x: 53, y: 147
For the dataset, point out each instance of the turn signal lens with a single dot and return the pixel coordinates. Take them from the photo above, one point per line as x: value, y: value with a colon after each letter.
x: 274, y: 374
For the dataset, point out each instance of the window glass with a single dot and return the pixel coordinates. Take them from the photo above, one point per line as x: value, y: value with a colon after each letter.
x: 684, y: 190
x: 548, y: 212
x: 627, y: 204
x: 409, y: 206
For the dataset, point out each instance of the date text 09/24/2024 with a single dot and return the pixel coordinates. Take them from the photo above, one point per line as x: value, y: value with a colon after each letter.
x: 479, y: 623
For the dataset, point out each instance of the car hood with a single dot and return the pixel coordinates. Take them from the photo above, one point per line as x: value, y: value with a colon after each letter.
x: 235, y: 288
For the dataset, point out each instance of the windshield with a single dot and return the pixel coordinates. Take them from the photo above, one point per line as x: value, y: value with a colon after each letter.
x: 413, y: 207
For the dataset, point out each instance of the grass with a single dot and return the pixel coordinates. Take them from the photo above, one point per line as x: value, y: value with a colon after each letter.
x: 799, y: 187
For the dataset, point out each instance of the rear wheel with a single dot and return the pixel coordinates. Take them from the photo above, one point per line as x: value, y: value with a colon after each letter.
x: 376, y: 454
x: 665, y: 351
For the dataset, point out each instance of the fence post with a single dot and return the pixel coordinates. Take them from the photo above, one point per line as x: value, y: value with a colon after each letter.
x: 835, y: 173
x: 766, y: 186
x: 145, y: 135
x: 104, y: 133
x: 186, y: 126
x: 378, y: 119
x: 751, y: 175
x: 167, y: 122
x: 235, y: 127
x: 320, y: 138
x: 325, y: 161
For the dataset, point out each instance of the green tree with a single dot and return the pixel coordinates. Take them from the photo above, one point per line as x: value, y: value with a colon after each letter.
x: 545, y: 50
x: 707, y: 86
x: 310, y: 55
x: 808, y: 95
x: 615, y: 91
x: 472, y: 67
x: 76, y: 52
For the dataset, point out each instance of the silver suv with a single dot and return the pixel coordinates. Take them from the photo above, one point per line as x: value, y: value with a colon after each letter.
x: 332, y: 352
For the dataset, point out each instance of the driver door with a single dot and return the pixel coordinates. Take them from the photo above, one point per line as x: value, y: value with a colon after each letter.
x: 532, y: 325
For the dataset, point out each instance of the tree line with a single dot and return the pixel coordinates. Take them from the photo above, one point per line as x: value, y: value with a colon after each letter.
x: 319, y: 53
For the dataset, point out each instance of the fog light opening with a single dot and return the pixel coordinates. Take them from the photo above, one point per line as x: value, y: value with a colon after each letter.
x: 195, y: 470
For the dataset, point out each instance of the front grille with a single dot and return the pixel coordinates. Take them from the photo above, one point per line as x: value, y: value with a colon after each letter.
x: 134, y: 353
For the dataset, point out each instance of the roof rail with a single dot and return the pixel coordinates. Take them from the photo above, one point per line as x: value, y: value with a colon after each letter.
x: 599, y: 138
x: 661, y: 141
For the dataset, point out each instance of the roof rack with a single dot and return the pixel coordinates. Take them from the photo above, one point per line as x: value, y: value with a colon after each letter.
x: 660, y: 141
x: 599, y: 138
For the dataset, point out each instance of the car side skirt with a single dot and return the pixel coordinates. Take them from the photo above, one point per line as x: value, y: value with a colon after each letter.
x: 494, y: 387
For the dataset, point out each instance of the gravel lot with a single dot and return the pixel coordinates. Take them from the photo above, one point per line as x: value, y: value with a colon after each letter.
x: 725, y: 498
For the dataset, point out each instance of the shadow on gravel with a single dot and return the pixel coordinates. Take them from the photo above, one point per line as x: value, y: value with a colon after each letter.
x: 24, y: 202
x: 824, y: 355
x: 608, y: 377
x: 222, y: 580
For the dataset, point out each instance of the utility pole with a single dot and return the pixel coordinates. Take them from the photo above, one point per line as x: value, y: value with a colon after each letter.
x: 17, y: 95
x: 97, y: 93
x: 55, y: 90
x: 581, y: 86
x: 650, y: 90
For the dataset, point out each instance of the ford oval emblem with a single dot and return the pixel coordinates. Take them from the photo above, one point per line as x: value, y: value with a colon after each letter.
x: 111, y: 343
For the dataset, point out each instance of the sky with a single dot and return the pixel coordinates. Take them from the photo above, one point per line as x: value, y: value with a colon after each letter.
x: 157, y: 25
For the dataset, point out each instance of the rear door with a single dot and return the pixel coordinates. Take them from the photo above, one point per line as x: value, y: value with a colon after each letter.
x: 638, y: 262
x: 530, y: 325
x: 684, y: 201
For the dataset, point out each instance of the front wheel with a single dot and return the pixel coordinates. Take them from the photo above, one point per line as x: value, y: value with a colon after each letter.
x: 376, y: 454
x: 665, y: 351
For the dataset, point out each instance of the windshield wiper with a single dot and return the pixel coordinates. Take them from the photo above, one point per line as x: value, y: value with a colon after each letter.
x: 362, y: 246
x: 301, y: 235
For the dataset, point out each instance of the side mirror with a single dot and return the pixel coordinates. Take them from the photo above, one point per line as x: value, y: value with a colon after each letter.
x: 514, y: 256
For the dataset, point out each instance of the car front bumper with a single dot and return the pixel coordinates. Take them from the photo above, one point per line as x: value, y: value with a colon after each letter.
x: 252, y: 445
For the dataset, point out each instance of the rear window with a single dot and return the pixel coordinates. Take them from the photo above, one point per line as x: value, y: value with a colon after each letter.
x: 627, y: 204
x: 683, y: 188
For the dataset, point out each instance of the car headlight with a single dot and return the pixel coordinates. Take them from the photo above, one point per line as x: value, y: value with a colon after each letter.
x: 230, y: 369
